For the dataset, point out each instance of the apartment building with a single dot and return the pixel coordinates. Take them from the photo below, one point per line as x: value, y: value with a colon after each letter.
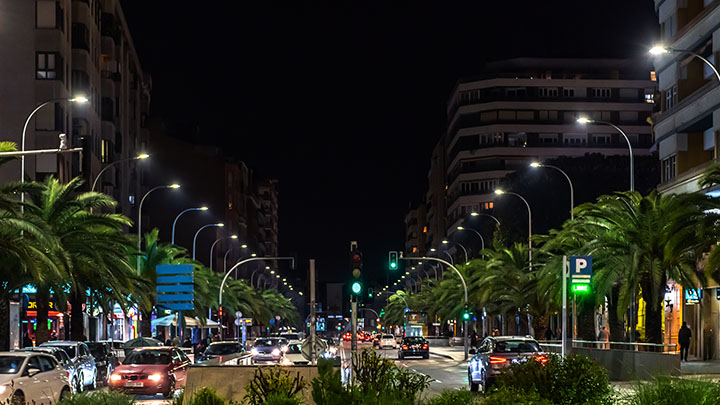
x: 686, y: 132
x: 416, y: 231
x: 525, y: 109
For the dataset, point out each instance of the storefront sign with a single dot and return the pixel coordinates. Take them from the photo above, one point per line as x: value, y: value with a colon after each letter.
x: 693, y: 296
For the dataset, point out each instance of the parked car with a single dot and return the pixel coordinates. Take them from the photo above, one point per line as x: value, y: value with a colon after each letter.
x: 105, y: 360
x: 220, y: 352
x: 151, y: 371
x: 496, y: 353
x: 32, y: 377
x: 268, y: 350
x: 80, y: 355
x: 117, y: 348
x: 414, y: 346
x: 387, y: 341
x: 294, y: 355
x: 63, y: 359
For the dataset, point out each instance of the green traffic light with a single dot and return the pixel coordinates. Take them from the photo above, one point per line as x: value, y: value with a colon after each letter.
x: 356, y: 287
x: 393, y: 265
x: 466, y: 316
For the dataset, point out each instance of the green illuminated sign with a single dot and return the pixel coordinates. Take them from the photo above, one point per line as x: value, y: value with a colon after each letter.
x: 583, y: 288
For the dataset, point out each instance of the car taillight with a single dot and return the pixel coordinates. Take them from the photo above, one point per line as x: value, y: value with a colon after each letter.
x: 425, y: 346
x: 404, y: 347
x: 68, y: 373
x: 541, y: 358
x: 497, y: 360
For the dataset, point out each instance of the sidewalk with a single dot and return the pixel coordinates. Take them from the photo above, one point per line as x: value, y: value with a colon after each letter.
x: 697, y: 367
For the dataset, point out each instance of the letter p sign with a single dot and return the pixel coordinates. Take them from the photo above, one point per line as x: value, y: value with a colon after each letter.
x: 580, y: 269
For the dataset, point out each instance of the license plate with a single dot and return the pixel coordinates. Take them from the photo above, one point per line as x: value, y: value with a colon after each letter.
x: 133, y: 384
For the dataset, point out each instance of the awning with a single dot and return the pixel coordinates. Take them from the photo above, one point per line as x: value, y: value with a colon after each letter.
x: 171, y: 320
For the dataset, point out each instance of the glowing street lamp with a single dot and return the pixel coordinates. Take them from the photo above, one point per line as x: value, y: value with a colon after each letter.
x: 586, y: 120
x: 572, y: 197
x: 660, y: 50
x: 501, y: 192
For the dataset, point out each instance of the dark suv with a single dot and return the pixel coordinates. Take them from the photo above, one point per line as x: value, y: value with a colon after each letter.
x: 495, y: 354
x: 414, y: 346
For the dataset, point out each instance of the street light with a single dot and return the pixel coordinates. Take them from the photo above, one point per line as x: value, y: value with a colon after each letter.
x: 212, y: 247
x: 572, y: 193
x: 226, y: 255
x: 500, y: 192
x: 173, y: 186
x: 220, y: 224
x: 172, y: 234
x: 659, y: 50
x: 76, y: 99
x: 586, y: 120
x: 482, y: 240
x: 142, y: 156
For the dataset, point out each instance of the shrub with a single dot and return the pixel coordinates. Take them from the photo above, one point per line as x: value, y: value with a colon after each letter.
x: 668, y: 390
x: 277, y: 399
x: 511, y: 396
x: 98, y: 398
x: 274, y: 381
x: 327, y: 387
x: 381, y: 381
x: 574, y: 380
x: 454, y: 397
x: 204, y: 396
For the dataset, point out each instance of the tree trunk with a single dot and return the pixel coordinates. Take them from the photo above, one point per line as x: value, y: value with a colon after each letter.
x: 145, y: 325
x: 654, y: 312
x: 586, y: 319
x: 615, y: 320
x: 5, y: 322
x: 77, y: 321
x: 539, y: 324
x: 42, y: 298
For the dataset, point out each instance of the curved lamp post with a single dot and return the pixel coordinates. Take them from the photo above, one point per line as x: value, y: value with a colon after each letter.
x: 172, y: 233
x: 138, y: 157
x: 659, y: 50
x: 501, y: 192
x: 572, y: 193
x: 480, y: 214
x: 174, y: 186
x: 586, y: 120
x: 212, y: 247
x: 482, y: 240
x: 219, y: 224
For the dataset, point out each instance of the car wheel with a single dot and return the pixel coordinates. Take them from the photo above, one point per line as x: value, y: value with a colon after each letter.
x: 65, y: 393
x: 473, y: 386
x: 78, y: 383
x: 426, y: 356
x: 93, y: 383
x: 18, y: 398
x: 171, y: 389
x: 400, y: 356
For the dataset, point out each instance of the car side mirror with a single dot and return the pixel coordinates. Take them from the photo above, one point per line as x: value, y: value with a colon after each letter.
x: 32, y: 371
x: 472, y: 351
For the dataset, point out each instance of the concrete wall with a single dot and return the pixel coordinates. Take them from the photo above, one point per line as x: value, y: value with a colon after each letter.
x: 626, y: 365
x: 230, y: 381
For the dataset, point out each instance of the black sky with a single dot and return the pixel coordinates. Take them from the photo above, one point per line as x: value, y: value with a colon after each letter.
x: 343, y: 101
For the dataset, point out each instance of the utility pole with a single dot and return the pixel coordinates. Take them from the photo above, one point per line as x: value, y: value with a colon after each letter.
x: 312, y: 312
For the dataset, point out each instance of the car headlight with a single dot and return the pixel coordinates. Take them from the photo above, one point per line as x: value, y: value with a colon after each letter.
x: 284, y: 349
x: 115, y: 377
x: 4, y: 388
x: 276, y: 352
x: 253, y: 352
x: 155, y: 377
x: 333, y: 350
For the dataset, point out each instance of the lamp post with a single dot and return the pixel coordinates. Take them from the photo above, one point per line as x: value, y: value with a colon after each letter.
x: 172, y: 233
x: 77, y: 99
x: 572, y: 193
x: 659, y: 50
x: 219, y: 224
x: 212, y: 247
x: 501, y: 192
x: 482, y: 240
x: 243, y: 246
x: 585, y: 120
x: 138, y: 157
x: 480, y: 214
x: 174, y: 186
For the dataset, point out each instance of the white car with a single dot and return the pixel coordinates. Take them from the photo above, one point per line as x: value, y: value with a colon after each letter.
x: 387, y: 341
x: 294, y: 355
x: 33, y: 378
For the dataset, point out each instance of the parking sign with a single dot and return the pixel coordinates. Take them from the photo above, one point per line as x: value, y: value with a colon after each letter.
x: 580, y: 269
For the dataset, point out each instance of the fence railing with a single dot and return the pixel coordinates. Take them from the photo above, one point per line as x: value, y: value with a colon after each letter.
x: 597, y: 344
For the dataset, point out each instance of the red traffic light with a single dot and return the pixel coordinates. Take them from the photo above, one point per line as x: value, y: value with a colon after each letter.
x: 357, y: 258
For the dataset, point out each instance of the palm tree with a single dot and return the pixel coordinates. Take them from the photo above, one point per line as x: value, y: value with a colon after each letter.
x: 90, y: 249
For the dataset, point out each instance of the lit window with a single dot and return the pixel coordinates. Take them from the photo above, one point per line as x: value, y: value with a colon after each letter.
x: 104, y: 151
x: 653, y: 76
x: 424, y: 229
x: 49, y: 66
x: 414, y: 249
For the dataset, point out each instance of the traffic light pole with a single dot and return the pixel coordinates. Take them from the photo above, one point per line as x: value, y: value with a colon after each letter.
x: 313, y: 312
x: 465, y: 331
x: 353, y: 317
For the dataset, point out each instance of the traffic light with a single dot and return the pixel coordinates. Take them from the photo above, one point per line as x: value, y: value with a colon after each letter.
x: 356, y: 265
x: 370, y: 292
x: 356, y: 287
x: 393, y: 260
x: 466, y: 314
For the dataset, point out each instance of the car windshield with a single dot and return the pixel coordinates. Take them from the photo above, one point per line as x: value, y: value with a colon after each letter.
x: 222, y: 348
x: 148, y: 357
x: 70, y: 350
x: 97, y: 350
x: 267, y: 342
x: 10, y: 364
x: 516, y: 346
x: 388, y: 337
x: 294, y: 348
x: 414, y: 340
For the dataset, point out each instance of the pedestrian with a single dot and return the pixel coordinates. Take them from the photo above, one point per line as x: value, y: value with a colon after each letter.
x: 604, y: 337
x: 187, y: 342
x: 473, y: 340
x: 549, y: 334
x: 168, y: 342
x: 175, y: 341
x: 684, y: 339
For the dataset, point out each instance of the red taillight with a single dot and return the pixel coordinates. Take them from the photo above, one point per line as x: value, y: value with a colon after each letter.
x: 541, y: 358
x: 497, y: 360
x: 404, y: 347
x: 68, y: 373
x: 425, y: 346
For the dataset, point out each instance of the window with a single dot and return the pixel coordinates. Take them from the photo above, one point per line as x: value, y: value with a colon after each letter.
x: 80, y: 36
x: 650, y: 98
x: 548, y: 115
x: 574, y: 139
x: 601, y: 139
x: 568, y: 92
x: 516, y: 91
x: 602, y: 92
x: 49, y: 66
x: 548, y: 138
x: 49, y: 14
x: 669, y: 27
x: 671, y: 98
x: 104, y: 151
x: 669, y: 168
x: 525, y: 115
x: 548, y: 92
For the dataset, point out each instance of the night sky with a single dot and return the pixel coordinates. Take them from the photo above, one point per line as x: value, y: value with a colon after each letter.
x: 343, y: 101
